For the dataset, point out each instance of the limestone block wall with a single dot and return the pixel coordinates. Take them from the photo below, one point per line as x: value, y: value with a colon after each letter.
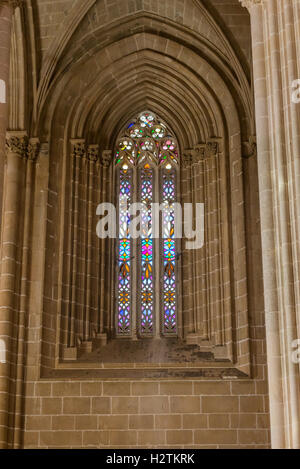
x: 147, y: 414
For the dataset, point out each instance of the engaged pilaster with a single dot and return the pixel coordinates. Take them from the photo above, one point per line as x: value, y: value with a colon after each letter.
x: 276, y: 67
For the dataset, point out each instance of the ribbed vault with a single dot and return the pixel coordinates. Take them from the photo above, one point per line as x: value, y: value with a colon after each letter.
x: 96, y: 95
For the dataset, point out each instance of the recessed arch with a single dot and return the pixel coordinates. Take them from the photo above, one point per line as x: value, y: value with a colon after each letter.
x: 94, y: 94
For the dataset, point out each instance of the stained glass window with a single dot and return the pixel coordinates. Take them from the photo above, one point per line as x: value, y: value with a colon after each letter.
x: 169, y: 253
x: 124, y: 274
x: 147, y: 266
x: 147, y: 165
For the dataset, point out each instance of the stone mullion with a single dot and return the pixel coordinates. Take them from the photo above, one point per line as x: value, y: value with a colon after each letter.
x: 9, y: 281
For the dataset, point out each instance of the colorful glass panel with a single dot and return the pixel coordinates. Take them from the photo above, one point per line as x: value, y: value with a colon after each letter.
x: 147, y: 280
x: 169, y: 254
x: 124, y: 263
x: 146, y: 147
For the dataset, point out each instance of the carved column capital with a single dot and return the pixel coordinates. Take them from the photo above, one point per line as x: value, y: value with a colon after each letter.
x: 211, y: 149
x: 93, y: 153
x: 106, y: 158
x: 17, y: 142
x: 33, y: 149
x: 249, y: 149
x: 200, y: 152
x: 78, y: 148
x: 250, y: 3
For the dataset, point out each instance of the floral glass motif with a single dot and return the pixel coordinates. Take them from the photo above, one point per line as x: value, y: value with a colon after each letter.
x: 137, y: 132
x: 147, y: 119
x: 147, y: 144
x: 145, y: 148
x: 158, y: 131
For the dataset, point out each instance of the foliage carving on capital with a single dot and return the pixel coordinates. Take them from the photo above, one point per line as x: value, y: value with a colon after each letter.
x: 33, y: 149
x: 17, y: 144
x: 200, y: 152
x: 79, y: 148
x: 211, y: 149
x: 106, y: 158
x: 93, y: 153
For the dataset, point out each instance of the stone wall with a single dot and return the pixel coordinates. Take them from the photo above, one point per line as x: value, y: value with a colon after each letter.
x: 147, y: 414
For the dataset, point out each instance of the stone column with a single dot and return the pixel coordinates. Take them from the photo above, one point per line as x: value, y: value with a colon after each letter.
x: 12, y: 222
x: 276, y: 65
x: 6, y: 14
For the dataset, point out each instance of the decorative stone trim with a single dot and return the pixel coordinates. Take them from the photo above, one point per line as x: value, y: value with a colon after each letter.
x: 13, y: 3
x: 211, y: 149
x: 21, y: 145
x: 33, y: 149
x: 106, y: 158
x: 199, y: 153
x: 17, y: 142
x: 93, y: 153
x: 79, y: 148
x: 250, y: 148
x: 249, y: 3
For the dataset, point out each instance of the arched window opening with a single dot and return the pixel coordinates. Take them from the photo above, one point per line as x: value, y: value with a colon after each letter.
x: 147, y: 165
